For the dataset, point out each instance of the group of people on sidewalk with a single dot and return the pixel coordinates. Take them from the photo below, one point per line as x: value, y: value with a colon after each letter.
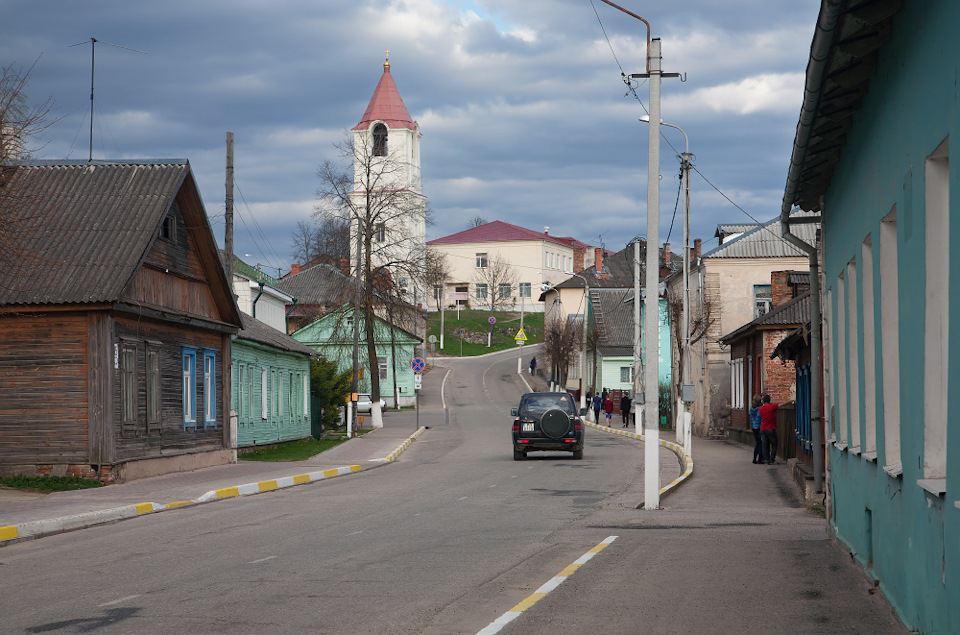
x: 603, y: 401
x: 763, y: 423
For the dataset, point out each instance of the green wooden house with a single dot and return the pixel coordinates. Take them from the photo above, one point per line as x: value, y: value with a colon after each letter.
x: 332, y: 337
x: 271, y: 385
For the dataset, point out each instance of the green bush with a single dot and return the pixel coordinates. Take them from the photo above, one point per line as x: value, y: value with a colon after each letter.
x: 331, y: 388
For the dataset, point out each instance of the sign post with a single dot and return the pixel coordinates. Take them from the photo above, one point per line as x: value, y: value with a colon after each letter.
x: 462, y: 333
x: 520, y: 338
x: 417, y: 364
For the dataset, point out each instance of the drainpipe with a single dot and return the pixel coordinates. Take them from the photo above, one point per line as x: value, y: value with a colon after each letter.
x: 286, y: 317
x: 255, y: 300
x: 823, y: 38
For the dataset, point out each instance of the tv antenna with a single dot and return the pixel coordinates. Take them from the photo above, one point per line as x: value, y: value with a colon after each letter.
x: 93, y: 58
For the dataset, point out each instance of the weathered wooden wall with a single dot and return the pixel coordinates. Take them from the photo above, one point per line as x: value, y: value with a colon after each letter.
x: 43, y: 388
x: 172, y: 436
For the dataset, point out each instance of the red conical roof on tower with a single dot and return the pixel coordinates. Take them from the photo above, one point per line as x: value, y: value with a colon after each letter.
x: 386, y: 105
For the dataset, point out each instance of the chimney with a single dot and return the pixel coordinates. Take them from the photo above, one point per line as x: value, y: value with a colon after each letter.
x: 780, y: 290
x: 294, y: 269
x: 579, y: 255
x: 666, y: 255
x: 696, y: 249
x: 345, y: 267
x: 598, y: 259
x: 546, y: 229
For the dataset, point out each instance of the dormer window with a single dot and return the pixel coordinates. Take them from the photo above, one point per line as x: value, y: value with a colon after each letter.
x: 168, y: 230
x: 379, y: 140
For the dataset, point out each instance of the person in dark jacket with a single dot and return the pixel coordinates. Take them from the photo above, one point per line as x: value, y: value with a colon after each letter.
x: 533, y: 365
x: 625, y: 409
x: 755, y: 427
x: 597, y: 404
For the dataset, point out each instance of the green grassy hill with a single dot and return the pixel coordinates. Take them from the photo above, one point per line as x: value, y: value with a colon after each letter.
x: 476, y: 326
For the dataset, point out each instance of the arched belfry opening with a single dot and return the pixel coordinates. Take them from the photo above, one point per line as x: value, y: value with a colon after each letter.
x: 379, y: 140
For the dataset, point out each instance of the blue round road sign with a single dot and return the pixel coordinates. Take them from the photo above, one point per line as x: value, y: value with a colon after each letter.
x: 492, y: 320
x: 417, y: 364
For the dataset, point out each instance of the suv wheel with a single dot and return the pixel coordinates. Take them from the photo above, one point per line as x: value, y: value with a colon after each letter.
x: 519, y: 455
x: 555, y: 423
x: 578, y: 454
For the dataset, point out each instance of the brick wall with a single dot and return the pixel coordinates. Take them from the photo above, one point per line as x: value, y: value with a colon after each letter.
x: 779, y: 378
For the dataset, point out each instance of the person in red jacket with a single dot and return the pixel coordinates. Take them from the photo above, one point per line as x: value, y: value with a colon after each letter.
x: 608, y: 409
x: 768, y: 429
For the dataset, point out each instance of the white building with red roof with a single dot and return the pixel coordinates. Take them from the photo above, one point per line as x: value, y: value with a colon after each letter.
x: 537, y: 259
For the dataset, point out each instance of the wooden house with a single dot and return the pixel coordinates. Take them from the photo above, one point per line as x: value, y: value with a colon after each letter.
x: 271, y: 385
x: 115, y: 322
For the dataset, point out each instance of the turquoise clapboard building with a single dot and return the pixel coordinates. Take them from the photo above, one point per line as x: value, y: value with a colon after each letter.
x: 271, y: 385
x: 872, y: 154
x: 332, y: 337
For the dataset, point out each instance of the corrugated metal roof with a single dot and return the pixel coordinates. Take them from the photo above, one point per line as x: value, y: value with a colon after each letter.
x: 256, y: 331
x: 765, y: 241
x: 83, y: 227
x: 497, y: 231
x: 319, y: 285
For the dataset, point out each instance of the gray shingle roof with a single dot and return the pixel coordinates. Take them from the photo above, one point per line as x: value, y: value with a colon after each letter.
x: 791, y: 314
x: 256, y: 331
x: 319, y: 285
x: 618, y: 270
x: 765, y: 241
x: 82, y: 228
x: 613, y: 318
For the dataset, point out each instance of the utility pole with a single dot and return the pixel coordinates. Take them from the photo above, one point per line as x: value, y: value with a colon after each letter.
x: 685, y: 386
x: 228, y: 238
x: 651, y: 345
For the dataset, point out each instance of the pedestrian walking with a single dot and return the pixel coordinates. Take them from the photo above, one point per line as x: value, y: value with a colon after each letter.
x: 533, y: 365
x: 608, y: 410
x: 755, y: 427
x: 625, y: 409
x: 768, y: 428
x: 597, y: 404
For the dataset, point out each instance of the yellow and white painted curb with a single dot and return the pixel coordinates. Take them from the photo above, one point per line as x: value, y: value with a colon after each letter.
x: 686, y: 462
x: 403, y: 446
x: 539, y: 594
x: 41, y: 528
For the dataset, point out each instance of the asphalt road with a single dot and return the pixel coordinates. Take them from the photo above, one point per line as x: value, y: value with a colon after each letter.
x: 448, y: 540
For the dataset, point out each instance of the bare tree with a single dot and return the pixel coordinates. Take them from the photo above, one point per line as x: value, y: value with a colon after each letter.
x: 302, y: 242
x: 437, y: 272
x: 21, y: 208
x: 560, y: 345
x: 19, y: 122
x: 701, y: 319
x: 496, y: 282
x: 386, y: 214
x: 476, y: 221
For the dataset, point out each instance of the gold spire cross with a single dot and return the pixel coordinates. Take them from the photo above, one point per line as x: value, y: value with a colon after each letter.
x: 386, y: 64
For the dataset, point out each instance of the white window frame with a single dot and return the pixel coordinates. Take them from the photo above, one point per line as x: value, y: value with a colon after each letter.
x: 524, y: 289
x: 481, y: 260
x: 481, y: 291
x: 869, y: 313
x: 853, y: 360
x: 264, y: 395
x: 890, y: 343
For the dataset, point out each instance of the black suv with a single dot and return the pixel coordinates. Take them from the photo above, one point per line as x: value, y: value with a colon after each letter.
x: 546, y: 421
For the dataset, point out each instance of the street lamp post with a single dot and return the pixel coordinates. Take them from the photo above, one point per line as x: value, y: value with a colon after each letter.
x: 685, y: 164
x: 583, y: 341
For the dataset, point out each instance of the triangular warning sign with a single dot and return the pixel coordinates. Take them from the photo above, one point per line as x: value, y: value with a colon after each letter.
x: 520, y: 336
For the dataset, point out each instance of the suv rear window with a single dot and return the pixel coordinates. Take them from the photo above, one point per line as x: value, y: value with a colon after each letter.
x: 536, y: 404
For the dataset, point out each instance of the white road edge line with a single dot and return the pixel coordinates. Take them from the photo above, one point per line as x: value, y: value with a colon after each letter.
x: 494, y: 627
x: 443, y: 385
x: 262, y: 560
x: 119, y: 600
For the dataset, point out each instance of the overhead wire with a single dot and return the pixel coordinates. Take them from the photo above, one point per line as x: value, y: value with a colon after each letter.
x: 633, y: 90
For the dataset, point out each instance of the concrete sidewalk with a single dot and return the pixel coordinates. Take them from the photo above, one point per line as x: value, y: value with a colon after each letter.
x: 23, y: 517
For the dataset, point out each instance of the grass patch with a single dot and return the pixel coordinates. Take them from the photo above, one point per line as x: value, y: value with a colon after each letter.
x: 817, y: 509
x: 47, y: 484
x: 476, y: 324
x: 299, y: 450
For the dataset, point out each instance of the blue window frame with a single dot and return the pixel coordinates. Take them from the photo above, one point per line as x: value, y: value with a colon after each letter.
x: 189, y: 356
x: 210, y: 389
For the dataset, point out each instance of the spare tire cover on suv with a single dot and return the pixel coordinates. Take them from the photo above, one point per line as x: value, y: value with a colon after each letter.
x: 555, y: 423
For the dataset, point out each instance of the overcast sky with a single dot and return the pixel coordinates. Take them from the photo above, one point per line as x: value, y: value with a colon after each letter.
x: 524, y: 114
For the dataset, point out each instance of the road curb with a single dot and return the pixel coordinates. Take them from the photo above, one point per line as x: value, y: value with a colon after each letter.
x: 34, y: 529
x: 406, y: 444
x: 686, y: 462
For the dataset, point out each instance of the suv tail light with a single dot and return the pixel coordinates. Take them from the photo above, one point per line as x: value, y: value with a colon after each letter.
x: 516, y: 425
x: 577, y: 425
